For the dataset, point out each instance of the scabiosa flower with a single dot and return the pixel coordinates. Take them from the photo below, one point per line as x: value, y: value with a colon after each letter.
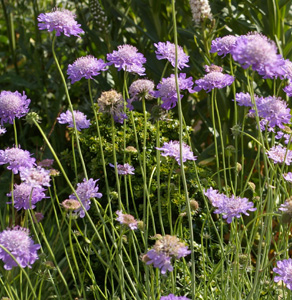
x: 125, y: 169
x: 16, y: 158
x: 173, y: 297
x: 200, y: 10
x: 244, y: 99
x: 214, y: 79
x: 21, y: 246
x: 112, y: 102
x: 278, y: 153
x: 26, y: 196
x: 71, y: 204
x: 284, y: 269
x: 13, y: 105
x: 288, y: 176
x: 60, y: 21
x: 86, y: 190
x: 286, y: 207
x: 167, y: 89
x: 80, y: 119
x: 141, y: 88
x: 260, y: 53
x: 46, y: 163
x: 288, y: 89
x: 172, y: 149
x: 281, y: 134
x: 86, y: 66
x: 127, y: 58
x: 165, y: 248
x: 288, y: 69
x: 127, y: 220
x: 167, y: 51
x: 224, y: 45
x: 36, y: 177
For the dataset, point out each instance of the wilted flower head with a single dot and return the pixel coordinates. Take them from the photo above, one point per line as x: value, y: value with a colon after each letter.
x: 127, y: 58
x: 280, y: 154
x: 200, y: 10
x: 60, y: 21
x: 80, y: 119
x: 287, y: 206
x: 86, y: 66
x: 112, y: 102
x: 167, y: 51
x: 224, y: 45
x: 127, y: 220
x: 36, y: 177
x: 38, y: 217
x: 86, y: 190
x: 172, y: 149
x: 16, y: 158
x: 284, y: 269
x: 167, y: 89
x: 26, y: 196
x: 173, y: 297
x: 46, y: 163
x: 71, y: 204
x: 214, y: 79
x: 18, y: 242
x: 13, y: 105
x: 124, y: 169
x: 141, y: 88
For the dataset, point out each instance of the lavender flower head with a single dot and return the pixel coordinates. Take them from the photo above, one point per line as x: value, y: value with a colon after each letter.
x: 141, y: 88
x: 127, y: 220
x: 281, y: 134
x: 167, y: 89
x: 86, y: 66
x: 80, y: 119
x: 46, y: 163
x: 284, y: 269
x: 286, y: 207
x: 165, y: 248
x: 173, y: 297
x: 16, y: 159
x: 229, y: 207
x: 127, y: 58
x: 244, y: 99
x: 112, y: 102
x: 35, y: 177
x: 26, y: 196
x: 280, y: 154
x: 260, y: 53
x: 288, y: 176
x: 288, y: 89
x: 172, y: 149
x: 167, y: 51
x: 224, y: 45
x: 86, y: 190
x: 20, y: 244
x: 60, y: 21
x: 214, y: 79
x: 125, y: 169
x: 13, y: 105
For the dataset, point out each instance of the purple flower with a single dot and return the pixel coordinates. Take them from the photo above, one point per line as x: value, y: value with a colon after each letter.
x: 13, y: 105
x: 288, y: 176
x: 16, y: 159
x: 127, y: 58
x: 279, y: 153
x: 167, y: 89
x: 284, y: 269
x: 229, y: 207
x: 46, y: 163
x: 214, y: 79
x: 224, y: 45
x: 141, y: 88
x: 281, y: 134
x: 244, y: 99
x: 26, y: 196
x: 173, y: 297
x: 167, y: 51
x: 60, y: 21
x: 288, y: 69
x: 86, y: 190
x: 172, y: 149
x: 125, y: 169
x: 260, y: 53
x: 86, y: 66
x: 18, y: 242
x: 159, y: 260
x: 80, y: 119
x: 35, y: 177
x: 126, y: 219
x: 287, y: 206
x: 288, y: 89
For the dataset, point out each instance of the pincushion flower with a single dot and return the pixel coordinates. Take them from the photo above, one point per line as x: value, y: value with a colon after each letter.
x: 284, y: 270
x: 62, y: 21
x: 172, y: 149
x: 36, y: 177
x: 127, y: 220
x: 16, y: 159
x: 173, y: 297
x: 124, y: 169
x: 244, y: 99
x: 86, y: 66
x: 288, y: 176
x: 13, y: 105
x: 286, y: 207
x: 127, y: 58
x: 167, y: 89
x: 223, y: 45
x: 167, y: 51
x: 18, y: 242
x: 229, y: 207
x: 280, y: 154
x: 86, y: 190
x: 288, y: 89
x: 214, y: 79
x: 80, y: 119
